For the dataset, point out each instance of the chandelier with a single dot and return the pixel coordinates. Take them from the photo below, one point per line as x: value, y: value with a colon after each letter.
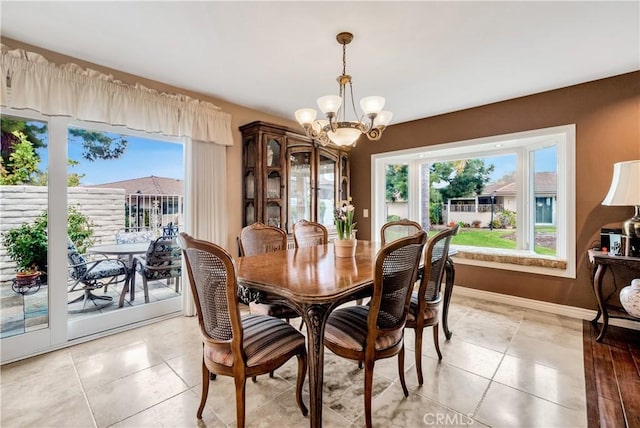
x: 335, y: 127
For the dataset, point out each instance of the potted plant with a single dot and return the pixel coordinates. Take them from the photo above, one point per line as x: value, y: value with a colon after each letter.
x: 27, y: 246
x: 345, y: 244
x: 476, y: 223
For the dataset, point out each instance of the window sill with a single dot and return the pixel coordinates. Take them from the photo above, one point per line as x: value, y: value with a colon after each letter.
x: 516, y: 260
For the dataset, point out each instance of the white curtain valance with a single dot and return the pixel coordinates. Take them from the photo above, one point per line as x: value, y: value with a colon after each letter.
x: 29, y: 81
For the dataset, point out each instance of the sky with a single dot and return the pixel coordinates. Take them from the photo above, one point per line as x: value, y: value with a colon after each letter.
x: 142, y: 158
x: 546, y: 160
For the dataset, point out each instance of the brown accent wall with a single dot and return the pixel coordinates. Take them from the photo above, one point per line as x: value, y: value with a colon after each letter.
x: 607, y: 117
x: 239, y: 116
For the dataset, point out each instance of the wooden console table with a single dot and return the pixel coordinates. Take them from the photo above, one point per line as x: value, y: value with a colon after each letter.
x: 602, y: 261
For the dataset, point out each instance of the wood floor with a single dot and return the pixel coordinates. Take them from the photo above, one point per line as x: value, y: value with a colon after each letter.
x: 612, y: 376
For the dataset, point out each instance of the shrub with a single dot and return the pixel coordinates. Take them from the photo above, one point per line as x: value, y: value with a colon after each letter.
x: 27, y: 244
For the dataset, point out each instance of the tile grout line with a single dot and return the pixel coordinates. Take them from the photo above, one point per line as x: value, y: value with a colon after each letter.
x: 84, y: 392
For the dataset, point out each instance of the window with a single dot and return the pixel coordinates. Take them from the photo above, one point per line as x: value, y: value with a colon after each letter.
x: 511, y: 194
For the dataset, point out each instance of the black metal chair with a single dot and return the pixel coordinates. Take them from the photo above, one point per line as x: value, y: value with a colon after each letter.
x: 89, y: 275
x: 163, y: 260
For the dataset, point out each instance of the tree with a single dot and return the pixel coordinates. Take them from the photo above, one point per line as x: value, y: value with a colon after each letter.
x: 467, y: 180
x: 397, y: 183
x: 21, y: 139
x: 22, y: 163
x: 98, y: 145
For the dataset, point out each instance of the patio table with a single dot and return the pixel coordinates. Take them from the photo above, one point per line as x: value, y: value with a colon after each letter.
x: 128, y: 250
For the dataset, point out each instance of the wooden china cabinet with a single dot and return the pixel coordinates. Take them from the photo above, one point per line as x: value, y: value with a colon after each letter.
x: 288, y: 177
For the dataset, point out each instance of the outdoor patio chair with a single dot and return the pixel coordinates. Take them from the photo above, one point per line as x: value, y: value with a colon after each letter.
x: 366, y: 333
x: 90, y: 275
x: 235, y: 346
x: 123, y: 237
x: 163, y: 260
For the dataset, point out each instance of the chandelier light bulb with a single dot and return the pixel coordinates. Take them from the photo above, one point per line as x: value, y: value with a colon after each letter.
x: 372, y: 105
x: 383, y: 118
x: 306, y: 116
x: 329, y: 103
x: 344, y: 136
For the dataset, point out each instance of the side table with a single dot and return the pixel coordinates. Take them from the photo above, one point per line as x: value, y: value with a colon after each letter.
x: 602, y: 261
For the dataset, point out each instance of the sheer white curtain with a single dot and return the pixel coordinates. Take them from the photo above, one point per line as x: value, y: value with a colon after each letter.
x: 205, y: 199
x: 28, y: 80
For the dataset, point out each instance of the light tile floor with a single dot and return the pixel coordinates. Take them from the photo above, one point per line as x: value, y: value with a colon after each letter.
x: 504, y: 367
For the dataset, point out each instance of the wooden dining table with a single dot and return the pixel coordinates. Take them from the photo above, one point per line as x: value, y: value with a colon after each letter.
x: 313, y: 281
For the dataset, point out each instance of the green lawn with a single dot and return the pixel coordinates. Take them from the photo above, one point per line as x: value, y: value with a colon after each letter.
x: 497, y: 238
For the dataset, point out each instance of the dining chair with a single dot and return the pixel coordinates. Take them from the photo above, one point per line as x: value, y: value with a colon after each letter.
x: 424, y: 307
x: 366, y: 333
x: 259, y: 238
x: 235, y: 346
x: 309, y: 234
x: 163, y: 260
x: 393, y: 230
x: 88, y: 275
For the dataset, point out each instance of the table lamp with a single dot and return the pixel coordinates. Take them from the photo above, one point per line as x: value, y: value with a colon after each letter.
x: 625, y: 191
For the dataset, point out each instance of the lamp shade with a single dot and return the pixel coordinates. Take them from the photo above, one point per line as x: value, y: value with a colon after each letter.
x: 344, y: 136
x: 625, y: 184
x: 329, y: 103
x: 372, y: 105
x: 305, y: 115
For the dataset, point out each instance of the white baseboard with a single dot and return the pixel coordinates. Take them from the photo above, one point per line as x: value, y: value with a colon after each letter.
x: 554, y: 308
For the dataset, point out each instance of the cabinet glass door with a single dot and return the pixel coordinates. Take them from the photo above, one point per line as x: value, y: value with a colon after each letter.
x: 299, y: 187
x: 326, y: 189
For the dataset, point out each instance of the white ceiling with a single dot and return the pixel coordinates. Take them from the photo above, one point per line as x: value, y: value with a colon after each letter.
x: 426, y: 58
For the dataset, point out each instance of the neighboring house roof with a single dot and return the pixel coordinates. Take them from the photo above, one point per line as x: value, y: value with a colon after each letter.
x: 546, y: 183
x: 146, y: 186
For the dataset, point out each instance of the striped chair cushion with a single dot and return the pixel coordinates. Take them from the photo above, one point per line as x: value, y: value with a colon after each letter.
x: 430, y: 312
x: 265, y: 339
x: 347, y: 328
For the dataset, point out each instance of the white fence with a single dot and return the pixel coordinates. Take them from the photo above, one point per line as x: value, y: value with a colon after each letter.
x: 22, y: 204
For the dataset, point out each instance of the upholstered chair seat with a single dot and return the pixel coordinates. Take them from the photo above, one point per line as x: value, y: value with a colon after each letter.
x: 234, y: 345
x: 375, y: 331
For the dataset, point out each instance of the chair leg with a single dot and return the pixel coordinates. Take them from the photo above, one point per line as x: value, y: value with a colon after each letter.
x: 271, y: 374
x: 368, y: 391
x: 212, y: 376
x: 301, y: 325
x: 302, y: 371
x: 418, y: 352
x: 145, y: 286
x: 436, y: 341
x: 401, y: 371
x: 205, y: 389
x: 125, y: 290
x: 254, y: 379
x: 240, y: 400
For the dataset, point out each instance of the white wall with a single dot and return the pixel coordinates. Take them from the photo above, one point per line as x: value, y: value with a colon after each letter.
x: 21, y: 204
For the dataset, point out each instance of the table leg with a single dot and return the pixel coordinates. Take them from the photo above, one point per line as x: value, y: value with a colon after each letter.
x: 597, y: 288
x: 315, y: 318
x: 132, y: 289
x: 450, y: 273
